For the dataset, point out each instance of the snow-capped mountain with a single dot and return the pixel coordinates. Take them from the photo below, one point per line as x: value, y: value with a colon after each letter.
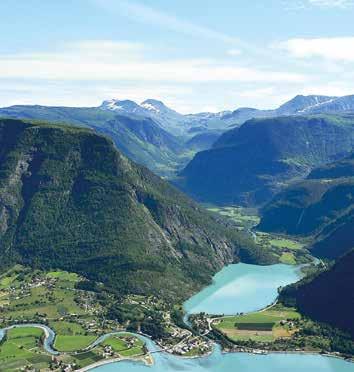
x: 336, y: 104
x: 179, y: 124
x: 123, y: 106
x: 301, y: 104
x: 169, y: 119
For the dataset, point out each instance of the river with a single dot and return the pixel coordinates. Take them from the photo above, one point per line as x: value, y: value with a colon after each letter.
x: 237, y: 288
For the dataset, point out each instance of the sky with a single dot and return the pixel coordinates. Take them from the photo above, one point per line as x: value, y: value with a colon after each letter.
x: 194, y: 55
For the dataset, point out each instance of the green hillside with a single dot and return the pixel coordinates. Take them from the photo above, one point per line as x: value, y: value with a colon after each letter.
x: 329, y: 296
x: 250, y: 164
x: 320, y: 207
x: 139, y: 138
x: 69, y: 200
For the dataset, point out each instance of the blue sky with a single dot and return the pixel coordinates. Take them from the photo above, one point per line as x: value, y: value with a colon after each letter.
x: 194, y: 55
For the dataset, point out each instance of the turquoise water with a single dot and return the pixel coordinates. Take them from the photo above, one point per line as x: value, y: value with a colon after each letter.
x: 218, y: 362
x: 242, y: 288
x: 237, y: 288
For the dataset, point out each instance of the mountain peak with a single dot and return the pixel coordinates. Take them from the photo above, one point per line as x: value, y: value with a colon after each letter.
x: 301, y: 103
x: 154, y: 105
x: 120, y: 105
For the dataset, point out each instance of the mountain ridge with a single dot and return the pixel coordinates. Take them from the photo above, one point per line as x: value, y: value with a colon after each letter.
x: 250, y: 164
x: 320, y: 207
x: 70, y: 200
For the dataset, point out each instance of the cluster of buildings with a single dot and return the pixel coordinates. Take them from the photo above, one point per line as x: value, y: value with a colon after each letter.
x: 198, y: 344
x: 24, y: 290
x: 62, y: 366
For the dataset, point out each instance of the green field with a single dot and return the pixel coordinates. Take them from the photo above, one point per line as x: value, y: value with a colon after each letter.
x: 288, y: 251
x: 120, y: 345
x: 260, y: 326
x: 87, y: 358
x: 272, y: 315
x: 10, y: 278
x: 66, y: 343
x: 74, y: 315
x: 67, y: 328
x: 287, y: 258
x: 242, y: 217
x: 22, y: 347
x: 282, y: 249
x: 54, y: 299
x: 285, y: 243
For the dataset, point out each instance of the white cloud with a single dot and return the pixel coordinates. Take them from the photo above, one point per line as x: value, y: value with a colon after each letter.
x: 234, y: 52
x: 331, y: 88
x: 257, y: 93
x: 91, y: 61
x: 336, y: 48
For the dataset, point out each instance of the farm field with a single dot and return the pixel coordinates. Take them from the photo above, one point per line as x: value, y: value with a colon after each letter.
x: 22, y: 346
x: 125, y: 345
x: 263, y: 326
x: 285, y: 250
x: 54, y: 298
x: 65, y: 343
x: 242, y: 217
x: 288, y: 258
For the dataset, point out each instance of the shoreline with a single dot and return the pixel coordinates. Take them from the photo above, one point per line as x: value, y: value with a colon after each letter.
x: 147, y: 360
x: 151, y: 362
x: 298, y: 352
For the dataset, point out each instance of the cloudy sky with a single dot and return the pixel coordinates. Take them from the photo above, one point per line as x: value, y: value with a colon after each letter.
x: 195, y: 55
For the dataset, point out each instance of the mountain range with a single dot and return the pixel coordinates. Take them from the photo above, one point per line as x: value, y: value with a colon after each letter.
x: 160, y: 138
x: 69, y: 200
x: 180, y: 124
x: 250, y: 164
x: 299, y: 105
x: 166, y: 142
x: 139, y: 137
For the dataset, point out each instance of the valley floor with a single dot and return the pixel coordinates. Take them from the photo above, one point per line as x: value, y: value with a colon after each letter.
x: 80, y: 312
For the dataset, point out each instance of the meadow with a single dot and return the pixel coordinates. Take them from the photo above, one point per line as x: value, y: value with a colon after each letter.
x: 264, y: 326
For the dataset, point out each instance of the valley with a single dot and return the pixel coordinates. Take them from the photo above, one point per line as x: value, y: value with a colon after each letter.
x: 120, y: 266
x: 176, y: 186
x: 88, y: 325
x: 86, y: 313
x: 283, y: 248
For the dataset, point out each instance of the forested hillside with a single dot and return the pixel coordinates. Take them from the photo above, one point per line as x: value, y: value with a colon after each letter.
x: 320, y: 206
x: 329, y: 297
x: 70, y: 200
x: 250, y: 164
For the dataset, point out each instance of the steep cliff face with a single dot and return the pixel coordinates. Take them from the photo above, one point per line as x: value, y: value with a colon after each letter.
x: 248, y: 165
x: 70, y: 200
x: 320, y: 206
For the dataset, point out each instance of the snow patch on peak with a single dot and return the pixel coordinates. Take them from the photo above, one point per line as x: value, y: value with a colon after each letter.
x: 150, y: 107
